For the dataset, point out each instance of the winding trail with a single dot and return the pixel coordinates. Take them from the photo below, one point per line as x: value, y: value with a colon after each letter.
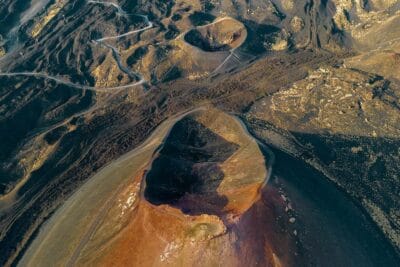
x: 108, y: 4
x: 101, y: 41
x: 5, y: 200
x: 146, y: 19
x: 68, y: 83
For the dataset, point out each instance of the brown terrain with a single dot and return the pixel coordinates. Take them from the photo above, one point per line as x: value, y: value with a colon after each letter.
x: 198, y: 215
x: 144, y: 133
x: 208, y: 211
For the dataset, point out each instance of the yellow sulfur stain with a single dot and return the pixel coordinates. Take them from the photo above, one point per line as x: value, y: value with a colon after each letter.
x: 50, y: 14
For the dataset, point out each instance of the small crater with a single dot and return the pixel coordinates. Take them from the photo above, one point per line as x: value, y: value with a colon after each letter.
x: 222, y: 35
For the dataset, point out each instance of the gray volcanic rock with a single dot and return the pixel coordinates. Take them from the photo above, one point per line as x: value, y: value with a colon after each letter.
x: 346, y: 123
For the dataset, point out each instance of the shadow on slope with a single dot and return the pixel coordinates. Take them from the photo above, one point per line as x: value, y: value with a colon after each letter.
x: 187, y: 168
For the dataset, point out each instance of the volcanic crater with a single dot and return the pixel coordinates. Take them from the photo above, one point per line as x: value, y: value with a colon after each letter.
x: 222, y: 35
x: 203, y: 163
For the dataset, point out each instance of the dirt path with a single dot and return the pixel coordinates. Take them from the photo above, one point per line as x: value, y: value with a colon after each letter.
x: 101, y: 41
